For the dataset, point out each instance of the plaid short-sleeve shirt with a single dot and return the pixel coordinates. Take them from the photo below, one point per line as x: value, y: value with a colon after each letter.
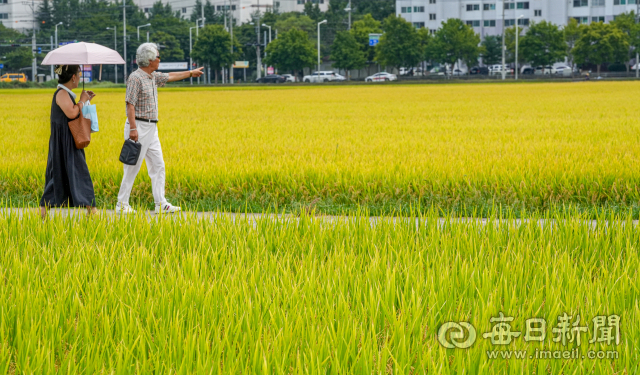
x: 142, y: 92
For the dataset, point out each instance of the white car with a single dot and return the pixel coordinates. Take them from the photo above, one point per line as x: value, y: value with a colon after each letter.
x: 545, y: 70
x: 381, y: 77
x: 340, y: 77
x: 316, y: 77
x: 459, y: 72
x: 439, y: 70
x: 564, y: 70
x: 290, y: 77
x: 496, y: 70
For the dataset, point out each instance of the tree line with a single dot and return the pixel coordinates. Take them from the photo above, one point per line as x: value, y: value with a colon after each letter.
x: 345, y: 45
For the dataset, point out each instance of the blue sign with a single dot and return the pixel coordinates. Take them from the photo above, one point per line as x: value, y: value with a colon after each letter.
x: 1, y: 66
x: 374, y: 39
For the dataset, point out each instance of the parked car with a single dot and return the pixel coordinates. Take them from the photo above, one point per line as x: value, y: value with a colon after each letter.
x: 564, y: 70
x: 20, y: 77
x: 272, y: 78
x: 381, y: 77
x: 439, y: 70
x: 479, y: 70
x: 326, y: 76
x: 496, y: 70
x: 545, y: 70
x: 459, y: 72
x: 527, y: 70
x: 340, y: 77
x: 290, y: 77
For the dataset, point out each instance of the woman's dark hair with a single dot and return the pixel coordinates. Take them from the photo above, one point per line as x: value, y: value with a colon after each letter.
x: 66, y: 73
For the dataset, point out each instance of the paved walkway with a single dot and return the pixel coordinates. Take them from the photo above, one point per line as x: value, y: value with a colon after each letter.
x: 254, y: 217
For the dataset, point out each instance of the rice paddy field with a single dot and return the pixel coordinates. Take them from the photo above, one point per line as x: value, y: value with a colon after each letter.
x: 459, y: 148
x: 540, y: 278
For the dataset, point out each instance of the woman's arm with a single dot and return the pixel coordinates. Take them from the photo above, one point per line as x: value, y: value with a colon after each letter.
x: 66, y: 104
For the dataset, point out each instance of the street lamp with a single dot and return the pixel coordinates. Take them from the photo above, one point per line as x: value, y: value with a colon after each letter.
x: 115, y: 46
x: 58, y: 24
x: 348, y: 9
x: 319, y: 23
x: 517, y: 32
x: 139, y: 27
x: 265, y: 25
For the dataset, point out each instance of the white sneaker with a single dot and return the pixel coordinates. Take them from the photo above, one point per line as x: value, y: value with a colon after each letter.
x: 124, y: 208
x: 167, y: 208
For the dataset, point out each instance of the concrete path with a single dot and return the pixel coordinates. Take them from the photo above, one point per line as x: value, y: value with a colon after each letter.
x: 254, y: 217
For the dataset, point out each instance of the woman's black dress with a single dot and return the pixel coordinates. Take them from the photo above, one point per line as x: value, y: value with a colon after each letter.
x: 67, y: 179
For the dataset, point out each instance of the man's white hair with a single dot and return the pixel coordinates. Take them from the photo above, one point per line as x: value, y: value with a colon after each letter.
x: 146, y: 53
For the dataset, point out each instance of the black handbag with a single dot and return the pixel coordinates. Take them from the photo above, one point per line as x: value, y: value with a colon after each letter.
x: 130, y: 152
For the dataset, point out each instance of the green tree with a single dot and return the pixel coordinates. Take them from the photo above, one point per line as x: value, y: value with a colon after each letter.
x: 378, y: 9
x: 626, y: 23
x: 292, y: 51
x: 599, y: 43
x: 399, y: 46
x: 361, y: 30
x: 19, y: 58
x: 296, y: 21
x: 491, y: 49
x: 571, y: 33
x: 169, y: 46
x: 346, y: 53
x: 313, y: 11
x: 426, y: 40
x: 214, y: 48
x: 543, y: 44
x: 456, y: 41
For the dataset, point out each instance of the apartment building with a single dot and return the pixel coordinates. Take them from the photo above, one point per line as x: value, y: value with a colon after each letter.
x: 485, y: 16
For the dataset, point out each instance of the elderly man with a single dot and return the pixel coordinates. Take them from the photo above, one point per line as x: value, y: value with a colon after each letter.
x: 141, y: 126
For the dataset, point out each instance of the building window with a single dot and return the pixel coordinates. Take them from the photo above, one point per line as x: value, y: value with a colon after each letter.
x: 3, y: 1
x: 582, y: 20
x: 523, y: 5
x: 508, y: 23
x: 472, y: 7
x: 523, y: 22
x: 489, y: 23
x: 184, y: 10
x: 473, y: 23
x: 418, y: 25
x: 619, y: 2
x: 580, y: 3
x: 4, y: 16
x: 537, y: 13
x: 432, y: 31
x: 432, y: 16
x: 510, y: 6
x: 146, y: 10
x: 406, y: 9
x: 418, y: 9
x: 597, y: 19
x: 597, y: 3
x: 489, y: 6
x: 300, y: 1
x: 432, y: 1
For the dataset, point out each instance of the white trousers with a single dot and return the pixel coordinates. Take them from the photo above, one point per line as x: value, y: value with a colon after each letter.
x: 152, y: 153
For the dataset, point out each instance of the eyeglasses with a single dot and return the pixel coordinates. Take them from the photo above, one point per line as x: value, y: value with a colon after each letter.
x: 157, y: 57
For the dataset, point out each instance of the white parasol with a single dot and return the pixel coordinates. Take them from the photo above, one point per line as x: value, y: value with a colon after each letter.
x: 82, y: 54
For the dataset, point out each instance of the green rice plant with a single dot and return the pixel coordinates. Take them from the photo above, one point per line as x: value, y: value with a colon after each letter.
x: 245, y: 294
x: 532, y: 147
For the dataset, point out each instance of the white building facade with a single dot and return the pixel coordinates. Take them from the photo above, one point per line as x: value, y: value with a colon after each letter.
x: 17, y: 14
x: 485, y: 16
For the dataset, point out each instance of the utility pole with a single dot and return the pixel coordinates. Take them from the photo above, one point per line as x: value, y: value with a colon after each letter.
x: 52, y: 50
x: 319, y: 23
x: 115, y: 46
x: 231, y: 32
x: 637, y: 52
x: 124, y: 37
x: 504, y: 72
x: 259, y: 60
x: 34, y: 66
x: 349, y: 9
x: 56, y: 41
x: 191, y: 49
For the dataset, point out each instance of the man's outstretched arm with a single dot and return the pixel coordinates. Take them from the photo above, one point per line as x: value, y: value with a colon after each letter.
x: 179, y: 76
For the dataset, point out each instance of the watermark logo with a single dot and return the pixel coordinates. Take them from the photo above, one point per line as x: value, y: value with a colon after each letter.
x: 457, y: 335
x: 568, y: 330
